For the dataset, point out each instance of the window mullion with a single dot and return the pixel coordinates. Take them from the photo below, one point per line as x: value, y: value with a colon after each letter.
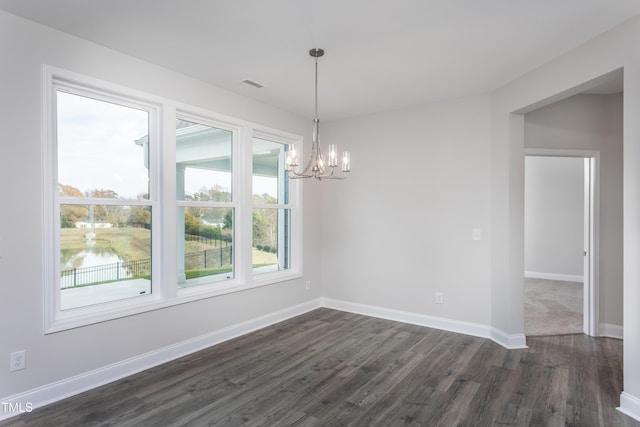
x: 104, y: 201
x: 167, y: 249
x: 244, y: 211
x: 271, y: 206
x: 205, y: 204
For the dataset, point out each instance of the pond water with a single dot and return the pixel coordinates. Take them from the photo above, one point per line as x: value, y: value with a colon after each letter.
x: 91, y: 264
x: 89, y: 256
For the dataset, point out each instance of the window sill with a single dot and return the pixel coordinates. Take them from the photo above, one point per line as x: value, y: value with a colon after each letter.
x: 79, y: 317
x: 214, y: 289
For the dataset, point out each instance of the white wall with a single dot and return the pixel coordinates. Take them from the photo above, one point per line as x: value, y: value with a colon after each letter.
x: 24, y: 47
x: 592, y: 122
x: 565, y: 76
x: 399, y: 228
x: 553, y: 216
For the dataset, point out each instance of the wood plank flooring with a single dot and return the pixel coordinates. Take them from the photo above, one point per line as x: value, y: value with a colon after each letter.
x: 330, y: 368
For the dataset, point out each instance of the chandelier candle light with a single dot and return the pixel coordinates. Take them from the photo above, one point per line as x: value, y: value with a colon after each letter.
x: 316, y: 166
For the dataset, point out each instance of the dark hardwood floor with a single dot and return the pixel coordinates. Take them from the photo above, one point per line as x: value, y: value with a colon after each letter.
x: 330, y: 368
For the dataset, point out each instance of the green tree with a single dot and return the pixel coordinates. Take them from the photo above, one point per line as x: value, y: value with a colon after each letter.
x: 139, y: 216
x: 228, y: 220
x: 265, y: 227
x: 191, y: 223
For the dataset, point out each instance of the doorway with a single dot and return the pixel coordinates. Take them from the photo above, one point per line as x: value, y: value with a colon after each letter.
x: 560, y: 233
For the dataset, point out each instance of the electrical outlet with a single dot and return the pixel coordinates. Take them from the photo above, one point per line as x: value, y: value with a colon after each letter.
x: 17, y: 360
x: 439, y: 298
x: 308, y: 285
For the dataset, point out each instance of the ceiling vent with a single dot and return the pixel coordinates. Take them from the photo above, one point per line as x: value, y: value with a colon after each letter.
x: 252, y: 83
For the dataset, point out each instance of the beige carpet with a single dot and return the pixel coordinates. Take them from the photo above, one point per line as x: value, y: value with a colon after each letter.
x: 552, y: 307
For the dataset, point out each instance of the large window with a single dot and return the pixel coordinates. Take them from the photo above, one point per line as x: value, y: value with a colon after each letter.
x: 142, y: 219
x: 105, y: 212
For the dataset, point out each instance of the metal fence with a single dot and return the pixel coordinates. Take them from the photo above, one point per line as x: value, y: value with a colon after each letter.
x: 209, y: 258
x: 218, y: 240
x: 82, y: 276
x: 104, y: 273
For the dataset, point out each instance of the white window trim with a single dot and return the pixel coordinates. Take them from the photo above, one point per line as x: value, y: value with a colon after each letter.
x: 165, y: 292
x: 237, y: 130
x: 295, y: 201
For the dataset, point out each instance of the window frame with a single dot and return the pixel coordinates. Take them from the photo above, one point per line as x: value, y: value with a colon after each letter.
x: 291, y: 206
x: 162, y: 200
x: 236, y: 132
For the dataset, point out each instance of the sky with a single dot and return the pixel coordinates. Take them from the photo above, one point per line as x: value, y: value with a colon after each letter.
x: 96, y: 150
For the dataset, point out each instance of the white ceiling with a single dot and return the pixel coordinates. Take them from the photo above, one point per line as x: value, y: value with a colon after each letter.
x: 380, y: 54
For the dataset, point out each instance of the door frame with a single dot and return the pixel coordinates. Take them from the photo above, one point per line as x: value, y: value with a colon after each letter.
x: 591, y: 286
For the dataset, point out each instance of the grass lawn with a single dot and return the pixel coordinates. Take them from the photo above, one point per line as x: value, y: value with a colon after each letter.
x: 261, y: 258
x: 128, y: 243
x: 135, y: 244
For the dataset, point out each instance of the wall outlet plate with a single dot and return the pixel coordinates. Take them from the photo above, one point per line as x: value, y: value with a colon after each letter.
x: 17, y: 360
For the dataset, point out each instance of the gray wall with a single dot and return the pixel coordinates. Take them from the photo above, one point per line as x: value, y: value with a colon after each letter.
x: 554, y: 217
x: 592, y: 122
x: 24, y: 47
x: 400, y: 228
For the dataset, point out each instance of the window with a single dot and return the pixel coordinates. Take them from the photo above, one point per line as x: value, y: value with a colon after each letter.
x: 142, y: 219
x: 271, y: 216
x: 204, y: 176
x: 105, y: 217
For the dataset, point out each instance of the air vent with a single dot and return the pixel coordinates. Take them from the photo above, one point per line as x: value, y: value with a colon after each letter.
x: 252, y: 83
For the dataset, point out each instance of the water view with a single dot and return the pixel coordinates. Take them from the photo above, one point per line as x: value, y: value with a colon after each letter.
x: 96, y: 263
x: 103, y: 265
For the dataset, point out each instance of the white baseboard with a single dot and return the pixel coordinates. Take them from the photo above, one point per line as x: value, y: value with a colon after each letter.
x: 467, y: 328
x: 553, y: 276
x: 41, y: 396
x: 629, y: 405
x: 510, y: 341
x: 610, y: 331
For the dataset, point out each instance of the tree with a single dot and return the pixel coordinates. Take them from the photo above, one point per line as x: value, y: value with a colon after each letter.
x: 265, y: 227
x: 68, y: 191
x: 70, y: 214
x: 211, y: 194
x: 103, y: 194
x: 191, y: 224
x: 228, y: 220
x: 105, y: 213
x: 139, y: 216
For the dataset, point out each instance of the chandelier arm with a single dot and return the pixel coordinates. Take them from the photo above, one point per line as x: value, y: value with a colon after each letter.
x: 295, y: 175
x: 333, y: 177
x: 311, y: 162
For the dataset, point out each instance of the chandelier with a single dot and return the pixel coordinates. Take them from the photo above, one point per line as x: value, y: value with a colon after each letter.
x: 318, y: 166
